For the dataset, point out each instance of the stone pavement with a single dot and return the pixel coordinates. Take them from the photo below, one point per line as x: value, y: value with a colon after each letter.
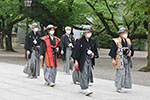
x: 14, y: 85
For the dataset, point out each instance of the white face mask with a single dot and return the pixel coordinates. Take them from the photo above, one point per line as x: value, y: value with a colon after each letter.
x: 35, y: 29
x: 52, y: 32
x: 125, y: 35
x: 68, y: 32
x: 88, y: 35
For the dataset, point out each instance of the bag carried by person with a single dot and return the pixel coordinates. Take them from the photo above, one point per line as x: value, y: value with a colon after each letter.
x: 26, y: 67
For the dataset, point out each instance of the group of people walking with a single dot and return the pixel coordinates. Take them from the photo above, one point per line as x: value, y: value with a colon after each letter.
x: 78, y: 56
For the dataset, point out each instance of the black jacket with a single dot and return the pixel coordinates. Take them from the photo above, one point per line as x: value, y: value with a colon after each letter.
x: 29, y: 44
x: 64, y: 42
x: 114, y: 48
x: 80, y: 51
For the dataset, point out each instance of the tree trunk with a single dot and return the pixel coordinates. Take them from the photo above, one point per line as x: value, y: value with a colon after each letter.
x: 2, y: 41
x: 147, y: 68
x: 8, y: 40
x: 148, y: 58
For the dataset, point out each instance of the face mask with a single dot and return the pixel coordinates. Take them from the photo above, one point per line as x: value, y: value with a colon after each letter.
x: 52, y: 32
x: 125, y: 35
x: 35, y: 29
x: 68, y: 32
x: 88, y: 35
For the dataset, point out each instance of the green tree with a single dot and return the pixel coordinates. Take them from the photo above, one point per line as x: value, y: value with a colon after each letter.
x: 114, y: 13
x: 10, y: 14
x: 147, y: 68
x: 59, y: 12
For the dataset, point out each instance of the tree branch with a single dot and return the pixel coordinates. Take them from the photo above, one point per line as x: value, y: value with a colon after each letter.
x: 102, y: 18
x: 112, y: 15
x: 95, y: 2
x: 90, y: 5
x: 17, y: 20
x: 97, y: 33
x: 128, y: 26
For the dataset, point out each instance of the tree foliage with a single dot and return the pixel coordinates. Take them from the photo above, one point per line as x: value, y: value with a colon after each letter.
x: 9, y: 16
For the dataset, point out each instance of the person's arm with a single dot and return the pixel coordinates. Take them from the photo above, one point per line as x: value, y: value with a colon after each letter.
x: 113, y: 51
x: 38, y: 41
x: 96, y: 54
x: 27, y: 45
x: 61, y: 45
x: 42, y: 49
x: 73, y: 41
x: 76, y: 51
x: 27, y: 42
x: 132, y: 51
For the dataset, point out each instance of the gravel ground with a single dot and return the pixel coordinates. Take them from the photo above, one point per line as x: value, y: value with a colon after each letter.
x: 103, y: 68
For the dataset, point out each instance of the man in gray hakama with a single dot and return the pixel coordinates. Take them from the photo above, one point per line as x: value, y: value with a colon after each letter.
x: 84, y: 54
x: 34, y: 64
x: 86, y: 75
x: 123, y: 76
x: 67, y: 44
x: 32, y: 46
x: 121, y: 53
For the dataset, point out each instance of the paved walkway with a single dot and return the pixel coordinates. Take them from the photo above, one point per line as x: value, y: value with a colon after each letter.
x: 14, y: 85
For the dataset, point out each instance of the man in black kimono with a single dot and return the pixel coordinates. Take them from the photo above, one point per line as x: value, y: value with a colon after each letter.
x: 67, y: 44
x: 84, y: 52
x: 121, y: 52
x: 32, y: 45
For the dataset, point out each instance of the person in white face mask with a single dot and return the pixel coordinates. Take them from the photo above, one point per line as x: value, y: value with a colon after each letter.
x: 121, y: 52
x: 67, y: 44
x: 49, y: 50
x: 32, y: 46
x: 84, y: 53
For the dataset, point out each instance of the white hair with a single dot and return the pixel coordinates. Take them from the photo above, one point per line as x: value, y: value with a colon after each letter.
x: 67, y: 27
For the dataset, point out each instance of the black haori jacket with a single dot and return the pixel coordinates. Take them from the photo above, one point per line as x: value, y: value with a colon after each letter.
x: 64, y: 42
x: 80, y: 51
x: 29, y: 45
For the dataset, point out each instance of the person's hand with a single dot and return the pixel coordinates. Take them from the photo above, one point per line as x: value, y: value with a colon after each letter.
x: 57, y: 49
x: 92, y: 55
x: 62, y: 52
x: 41, y: 57
x: 129, y: 54
x: 70, y: 45
x: 89, y: 52
x: 28, y: 52
x: 38, y: 47
x: 114, y: 62
x: 76, y: 64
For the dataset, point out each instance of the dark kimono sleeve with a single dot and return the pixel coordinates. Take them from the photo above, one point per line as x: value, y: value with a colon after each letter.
x: 39, y: 40
x: 96, y: 55
x: 61, y: 44
x: 42, y: 48
x: 132, y: 50
x: 73, y: 41
x: 76, y: 51
x: 113, y: 50
x: 27, y: 43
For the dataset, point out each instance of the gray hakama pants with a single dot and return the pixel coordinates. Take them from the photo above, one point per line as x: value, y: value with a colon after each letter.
x: 76, y: 76
x: 123, y: 76
x: 86, y: 74
x: 68, y: 63
x: 50, y: 72
x: 33, y: 64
